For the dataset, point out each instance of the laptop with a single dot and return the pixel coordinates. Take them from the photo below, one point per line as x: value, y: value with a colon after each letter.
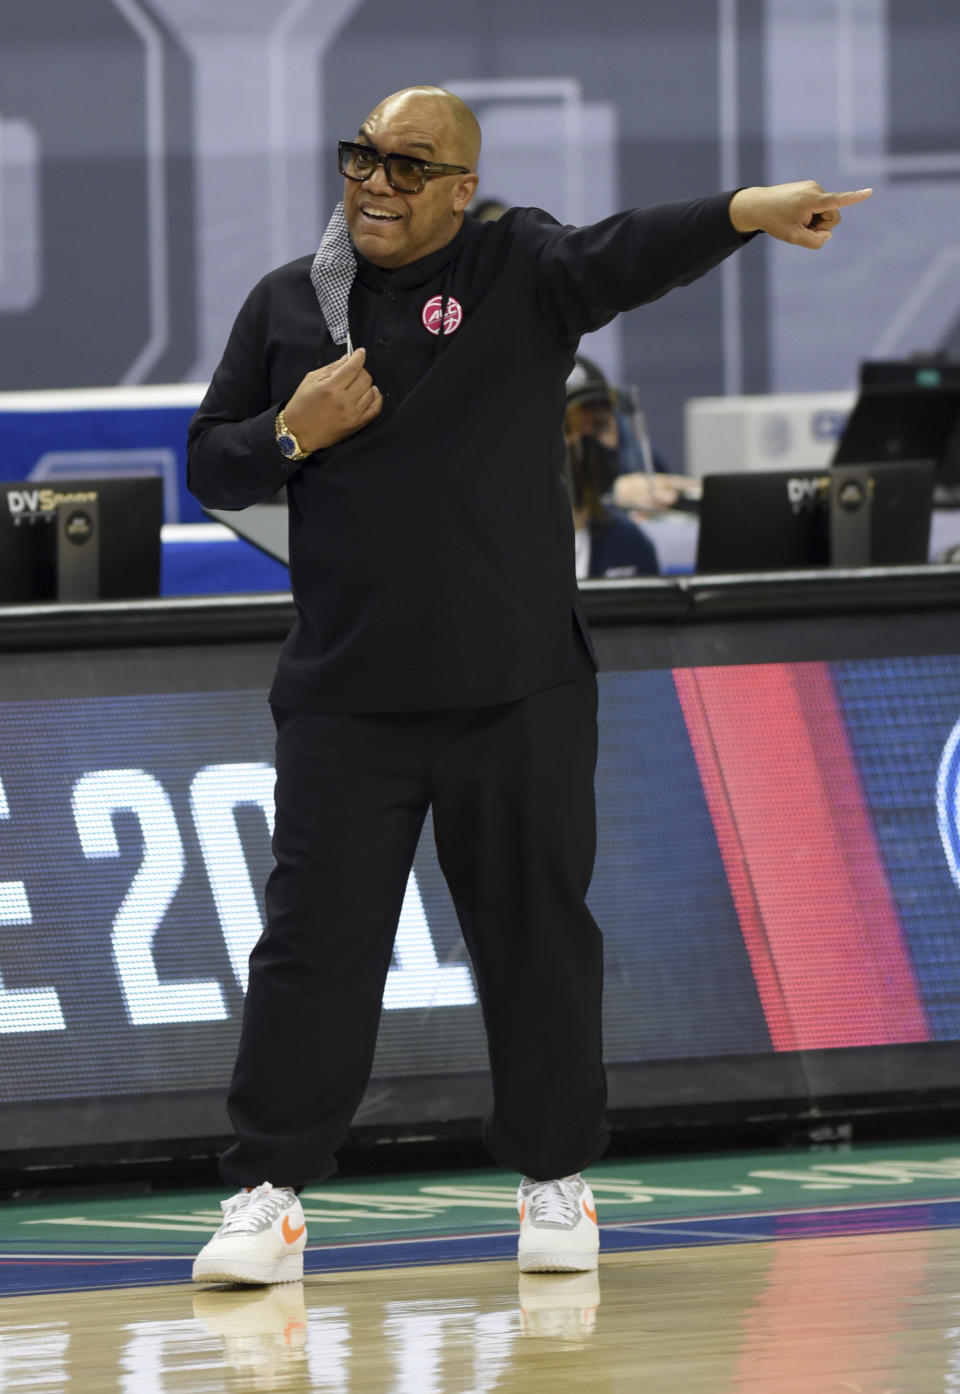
x: 877, y: 515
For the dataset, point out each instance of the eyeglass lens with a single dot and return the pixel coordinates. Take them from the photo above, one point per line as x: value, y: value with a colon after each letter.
x: 359, y: 162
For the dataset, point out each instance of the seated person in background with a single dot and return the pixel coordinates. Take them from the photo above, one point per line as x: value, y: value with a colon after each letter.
x: 638, y: 479
x: 608, y: 544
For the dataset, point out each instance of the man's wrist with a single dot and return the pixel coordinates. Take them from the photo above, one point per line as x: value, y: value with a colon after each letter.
x: 288, y: 444
x: 743, y: 211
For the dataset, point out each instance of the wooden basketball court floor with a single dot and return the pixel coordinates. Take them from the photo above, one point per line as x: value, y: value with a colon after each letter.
x: 753, y: 1273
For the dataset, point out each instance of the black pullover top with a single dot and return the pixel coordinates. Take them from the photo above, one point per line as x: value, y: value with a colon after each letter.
x: 431, y: 554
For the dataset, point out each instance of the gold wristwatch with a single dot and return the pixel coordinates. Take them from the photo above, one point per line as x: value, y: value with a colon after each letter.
x: 287, y: 441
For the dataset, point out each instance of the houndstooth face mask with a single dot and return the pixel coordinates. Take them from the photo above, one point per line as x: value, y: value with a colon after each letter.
x: 332, y: 273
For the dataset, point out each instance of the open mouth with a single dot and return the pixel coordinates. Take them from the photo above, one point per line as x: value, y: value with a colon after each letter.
x: 379, y: 216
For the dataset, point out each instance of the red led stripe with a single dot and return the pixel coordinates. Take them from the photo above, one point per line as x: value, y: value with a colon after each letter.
x: 735, y: 863
x: 805, y: 872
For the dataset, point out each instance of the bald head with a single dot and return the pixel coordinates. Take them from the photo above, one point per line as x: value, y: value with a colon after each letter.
x: 434, y: 109
x: 392, y: 226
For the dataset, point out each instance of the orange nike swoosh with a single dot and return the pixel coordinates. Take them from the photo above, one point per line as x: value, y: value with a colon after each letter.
x: 590, y: 1214
x: 291, y: 1235
x: 523, y: 1210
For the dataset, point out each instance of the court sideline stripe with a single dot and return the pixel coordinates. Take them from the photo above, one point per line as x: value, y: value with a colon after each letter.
x: 664, y: 1223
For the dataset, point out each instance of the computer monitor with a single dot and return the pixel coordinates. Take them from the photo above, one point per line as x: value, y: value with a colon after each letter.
x: 929, y: 371
x: 80, y: 539
x: 876, y: 515
x: 907, y: 410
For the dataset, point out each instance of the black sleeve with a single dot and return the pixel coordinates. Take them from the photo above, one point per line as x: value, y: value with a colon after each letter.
x: 232, y: 455
x: 589, y: 274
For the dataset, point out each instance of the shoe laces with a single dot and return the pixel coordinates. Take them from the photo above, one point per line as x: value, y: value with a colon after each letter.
x: 250, y: 1211
x: 554, y: 1202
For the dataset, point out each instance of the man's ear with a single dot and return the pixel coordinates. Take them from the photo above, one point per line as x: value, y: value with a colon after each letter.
x: 466, y: 188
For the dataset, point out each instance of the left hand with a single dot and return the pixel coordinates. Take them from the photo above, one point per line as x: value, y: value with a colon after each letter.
x: 802, y: 214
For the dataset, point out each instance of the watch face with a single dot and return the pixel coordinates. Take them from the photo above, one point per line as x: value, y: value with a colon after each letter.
x: 287, y: 444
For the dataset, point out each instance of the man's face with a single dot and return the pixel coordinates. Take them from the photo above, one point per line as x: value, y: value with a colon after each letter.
x: 391, y: 228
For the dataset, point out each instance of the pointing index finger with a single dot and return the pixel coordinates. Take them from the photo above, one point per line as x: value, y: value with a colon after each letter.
x: 828, y: 201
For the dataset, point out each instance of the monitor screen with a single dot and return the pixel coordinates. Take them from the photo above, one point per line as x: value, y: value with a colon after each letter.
x: 121, y: 517
x: 905, y: 411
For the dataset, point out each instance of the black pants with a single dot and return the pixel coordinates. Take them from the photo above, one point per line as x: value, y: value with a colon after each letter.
x: 511, y: 788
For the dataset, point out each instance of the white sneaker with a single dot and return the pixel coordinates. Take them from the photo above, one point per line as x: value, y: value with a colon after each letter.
x: 558, y: 1226
x: 261, y: 1240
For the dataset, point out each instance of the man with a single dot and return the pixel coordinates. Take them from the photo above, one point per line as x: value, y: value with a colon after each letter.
x: 439, y: 657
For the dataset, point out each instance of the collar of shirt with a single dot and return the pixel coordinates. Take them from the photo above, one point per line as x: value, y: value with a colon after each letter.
x: 417, y: 273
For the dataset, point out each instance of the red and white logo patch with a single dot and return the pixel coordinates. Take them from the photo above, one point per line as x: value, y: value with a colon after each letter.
x: 451, y: 320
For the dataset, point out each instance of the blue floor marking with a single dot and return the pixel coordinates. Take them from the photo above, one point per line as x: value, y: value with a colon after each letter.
x: 22, y: 1274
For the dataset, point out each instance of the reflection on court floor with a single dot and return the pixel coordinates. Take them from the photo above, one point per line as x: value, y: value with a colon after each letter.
x: 735, y: 1275
x: 876, y: 1314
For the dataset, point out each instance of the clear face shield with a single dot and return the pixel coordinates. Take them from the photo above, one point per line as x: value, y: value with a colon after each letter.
x: 635, y: 453
x: 610, y: 458
x: 641, y: 483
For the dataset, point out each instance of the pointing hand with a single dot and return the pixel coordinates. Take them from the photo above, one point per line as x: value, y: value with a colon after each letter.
x: 802, y: 214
